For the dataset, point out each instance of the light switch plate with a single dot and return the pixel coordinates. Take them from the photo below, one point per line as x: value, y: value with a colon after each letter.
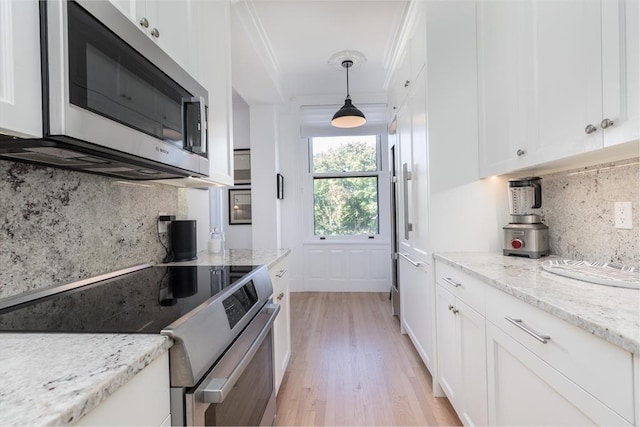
x: 623, y: 215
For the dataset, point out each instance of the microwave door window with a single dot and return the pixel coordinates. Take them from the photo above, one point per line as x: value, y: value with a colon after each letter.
x: 109, y: 78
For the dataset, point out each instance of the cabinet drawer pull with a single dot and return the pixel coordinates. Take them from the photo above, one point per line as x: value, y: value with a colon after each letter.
x: 144, y: 22
x: 450, y: 307
x: 415, y: 263
x: 518, y: 323
x: 520, y: 152
x: 280, y: 296
x: 155, y: 33
x: 281, y: 273
x: 451, y: 282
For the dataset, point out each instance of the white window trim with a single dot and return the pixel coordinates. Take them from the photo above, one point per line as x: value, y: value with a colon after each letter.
x: 383, y: 198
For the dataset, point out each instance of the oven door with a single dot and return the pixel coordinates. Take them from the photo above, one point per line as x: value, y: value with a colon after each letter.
x: 239, y: 390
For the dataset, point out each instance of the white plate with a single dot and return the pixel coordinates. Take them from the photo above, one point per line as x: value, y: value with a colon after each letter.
x: 596, y: 272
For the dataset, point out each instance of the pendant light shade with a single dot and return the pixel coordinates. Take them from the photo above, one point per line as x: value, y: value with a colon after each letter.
x: 348, y: 116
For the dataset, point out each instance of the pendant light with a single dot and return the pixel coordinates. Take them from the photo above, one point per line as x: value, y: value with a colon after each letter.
x: 348, y: 116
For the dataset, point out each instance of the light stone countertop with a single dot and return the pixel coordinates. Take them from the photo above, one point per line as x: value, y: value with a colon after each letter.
x: 238, y: 257
x: 55, y: 379
x: 608, y: 312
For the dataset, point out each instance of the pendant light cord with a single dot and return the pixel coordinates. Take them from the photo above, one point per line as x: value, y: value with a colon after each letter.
x: 347, y: 67
x: 347, y: 64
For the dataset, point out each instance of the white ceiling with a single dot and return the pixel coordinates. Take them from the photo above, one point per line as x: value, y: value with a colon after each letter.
x: 281, y: 48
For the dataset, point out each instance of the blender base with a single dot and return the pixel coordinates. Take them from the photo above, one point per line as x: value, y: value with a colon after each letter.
x: 533, y: 255
x: 526, y: 240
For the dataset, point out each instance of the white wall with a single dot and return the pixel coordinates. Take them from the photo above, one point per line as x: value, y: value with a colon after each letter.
x: 264, y: 203
x: 236, y: 236
x: 198, y: 209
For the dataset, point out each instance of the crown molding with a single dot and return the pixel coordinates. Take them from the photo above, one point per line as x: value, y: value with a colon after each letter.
x: 248, y: 16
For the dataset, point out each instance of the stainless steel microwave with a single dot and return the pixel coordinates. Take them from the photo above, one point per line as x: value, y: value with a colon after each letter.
x: 114, y: 103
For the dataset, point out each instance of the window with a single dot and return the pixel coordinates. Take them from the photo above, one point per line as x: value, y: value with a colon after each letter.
x: 345, y: 172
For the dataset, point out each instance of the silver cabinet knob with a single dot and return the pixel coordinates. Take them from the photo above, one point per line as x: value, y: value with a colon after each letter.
x: 450, y: 307
x: 144, y: 22
x: 605, y: 123
x: 280, y: 296
x: 455, y: 311
x: 590, y: 129
x: 520, y: 152
x: 407, y: 83
x: 155, y: 33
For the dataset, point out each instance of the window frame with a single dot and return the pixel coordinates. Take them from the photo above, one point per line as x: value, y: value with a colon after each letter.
x: 379, y: 174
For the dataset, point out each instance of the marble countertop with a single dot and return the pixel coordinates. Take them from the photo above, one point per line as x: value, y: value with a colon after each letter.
x: 238, y: 257
x: 55, y: 379
x: 608, y: 312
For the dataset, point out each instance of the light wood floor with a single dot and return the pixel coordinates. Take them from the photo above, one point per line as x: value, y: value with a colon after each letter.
x: 351, y: 366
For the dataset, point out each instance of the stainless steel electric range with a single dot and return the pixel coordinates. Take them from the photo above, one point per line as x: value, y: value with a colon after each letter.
x: 219, y: 317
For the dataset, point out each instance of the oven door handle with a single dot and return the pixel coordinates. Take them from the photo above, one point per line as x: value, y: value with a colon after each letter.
x: 217, y: 389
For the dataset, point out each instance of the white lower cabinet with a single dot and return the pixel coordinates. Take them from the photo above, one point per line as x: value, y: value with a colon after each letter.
x: 417, y: 305
x: 502, y: 361
x: 282, y: 324
x: 143, y: 401
x: 524, y: 389
x: 462, y: 369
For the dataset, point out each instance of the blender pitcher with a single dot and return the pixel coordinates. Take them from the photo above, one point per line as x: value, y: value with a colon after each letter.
x: 525, y: 196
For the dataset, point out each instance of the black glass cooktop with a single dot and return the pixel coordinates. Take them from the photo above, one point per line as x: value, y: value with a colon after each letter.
x: 145, y: 301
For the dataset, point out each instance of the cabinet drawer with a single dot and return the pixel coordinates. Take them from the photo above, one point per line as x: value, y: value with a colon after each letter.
x: 599, y: 367
x: 467, y: 288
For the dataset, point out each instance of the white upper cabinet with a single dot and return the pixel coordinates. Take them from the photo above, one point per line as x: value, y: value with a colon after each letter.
x: 20, y: 91
x: 620, y: 71
x: 412, y: 59
x: 546, y: 84
x: 170, y: 23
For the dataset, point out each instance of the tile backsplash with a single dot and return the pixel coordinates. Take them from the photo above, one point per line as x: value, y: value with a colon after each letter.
x: 579, y: 210
x: 59, y: 226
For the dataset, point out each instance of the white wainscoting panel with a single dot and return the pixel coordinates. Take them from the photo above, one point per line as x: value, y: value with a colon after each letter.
x: 344, y: 267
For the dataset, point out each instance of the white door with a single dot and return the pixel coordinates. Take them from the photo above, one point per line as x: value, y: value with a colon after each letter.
x: 567, y: 76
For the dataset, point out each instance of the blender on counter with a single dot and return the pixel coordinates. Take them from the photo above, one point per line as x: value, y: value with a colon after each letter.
x: 525, y: 235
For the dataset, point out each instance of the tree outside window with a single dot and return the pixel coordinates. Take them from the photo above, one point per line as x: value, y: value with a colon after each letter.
x: 345, y: 185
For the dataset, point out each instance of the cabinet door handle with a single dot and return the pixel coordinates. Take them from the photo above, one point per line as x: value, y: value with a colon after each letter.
x: 280, y: 296
x: 520, y: 152
x: 518, y: 323
x: 281, y: 273
x: 450, y: 281
x: 415, y: 263
x: 144, y: 22
x: 455, y: 311
x: 590, y: 129
x: 155, y: 33
x: 406, y: 176
x: 407, y: 83
x: 605, y: 123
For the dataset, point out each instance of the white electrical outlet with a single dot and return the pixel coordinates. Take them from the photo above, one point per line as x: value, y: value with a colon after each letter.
x: 623, y: 215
